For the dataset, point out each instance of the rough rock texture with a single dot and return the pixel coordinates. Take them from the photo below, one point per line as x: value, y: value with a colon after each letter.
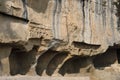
x: 60, y: 37
x: 43, y: 78
x: 93, y: 22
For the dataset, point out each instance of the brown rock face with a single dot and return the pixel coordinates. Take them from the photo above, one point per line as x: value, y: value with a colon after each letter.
x: 60, y: 37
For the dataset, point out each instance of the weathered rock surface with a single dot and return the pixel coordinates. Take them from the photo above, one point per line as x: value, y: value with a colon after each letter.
x: 43, y: 78
x: 92, y: 22
x: 60, y: 37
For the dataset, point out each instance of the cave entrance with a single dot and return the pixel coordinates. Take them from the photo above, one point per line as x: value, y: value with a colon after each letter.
x: 118, y: 55
x: 106, y: 59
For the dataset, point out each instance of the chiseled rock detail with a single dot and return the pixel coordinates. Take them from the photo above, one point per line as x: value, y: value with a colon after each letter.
x: 93, y: 22
x: 59, y: 37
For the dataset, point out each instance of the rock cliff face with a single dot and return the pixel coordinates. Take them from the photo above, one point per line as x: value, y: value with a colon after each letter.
x: 95, y: 23
x: 91, y: 22
x: 65, y: 35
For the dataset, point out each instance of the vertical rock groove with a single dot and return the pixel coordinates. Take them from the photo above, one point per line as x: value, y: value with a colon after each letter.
x: 83, y: 5
x: 25, y: 13
x: 56, y: 18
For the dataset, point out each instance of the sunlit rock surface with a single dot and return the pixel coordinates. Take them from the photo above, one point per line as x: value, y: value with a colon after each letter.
x: 60, y: 37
